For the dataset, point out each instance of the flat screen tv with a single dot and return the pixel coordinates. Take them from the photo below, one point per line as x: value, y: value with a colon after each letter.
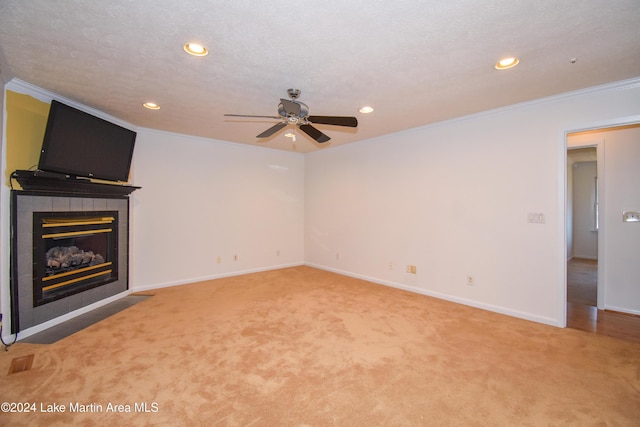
x: 82, y: 145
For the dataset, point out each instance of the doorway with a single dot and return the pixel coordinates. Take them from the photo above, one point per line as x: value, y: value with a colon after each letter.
x: 613, y: 191
x: 582, y: 235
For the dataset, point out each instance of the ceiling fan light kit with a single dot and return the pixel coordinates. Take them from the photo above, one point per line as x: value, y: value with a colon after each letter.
x: 294, y: 112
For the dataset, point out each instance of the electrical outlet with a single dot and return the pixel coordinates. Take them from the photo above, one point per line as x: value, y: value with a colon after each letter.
x: 390, y: 266
x: 411, y: 269
x: 235, y: 257
x: 219, y: 259
x: 470, y: 280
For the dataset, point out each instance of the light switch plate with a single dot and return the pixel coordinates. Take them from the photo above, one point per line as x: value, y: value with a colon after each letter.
x: 535, y: 218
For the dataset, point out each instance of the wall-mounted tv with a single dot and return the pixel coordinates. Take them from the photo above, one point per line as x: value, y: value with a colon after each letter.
x: 79, y: 144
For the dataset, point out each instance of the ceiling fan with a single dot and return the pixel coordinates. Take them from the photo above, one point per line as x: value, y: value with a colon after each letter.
x: 293, y: 112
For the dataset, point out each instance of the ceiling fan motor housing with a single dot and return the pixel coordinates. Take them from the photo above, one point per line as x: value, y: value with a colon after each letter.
x: 304, y: 111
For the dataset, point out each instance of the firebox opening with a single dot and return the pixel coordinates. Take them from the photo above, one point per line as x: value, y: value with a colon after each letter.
x: 73, y: 252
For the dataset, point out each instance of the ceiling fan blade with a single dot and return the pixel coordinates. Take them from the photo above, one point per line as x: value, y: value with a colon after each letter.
x: 272, y: 130
x: 290, y: 107
x: 334, y: 120
x: 245, y: 115
x: 314, y: 133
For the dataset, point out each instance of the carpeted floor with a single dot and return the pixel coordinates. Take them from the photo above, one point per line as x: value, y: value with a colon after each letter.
x: 305, y: 347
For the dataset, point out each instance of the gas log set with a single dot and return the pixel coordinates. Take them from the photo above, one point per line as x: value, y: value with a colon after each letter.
x: 64, y: 258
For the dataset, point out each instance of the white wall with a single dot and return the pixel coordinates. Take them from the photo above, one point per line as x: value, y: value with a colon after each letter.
x: 585, y: 233
x: 454, y: 198
x: 574, y: 155
x: 622, y: 242
x: 204, y: 200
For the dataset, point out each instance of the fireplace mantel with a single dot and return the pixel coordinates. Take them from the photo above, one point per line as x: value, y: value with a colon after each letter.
x: 39, y: 181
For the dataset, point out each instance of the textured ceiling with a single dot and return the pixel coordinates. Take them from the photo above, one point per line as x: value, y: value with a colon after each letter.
x: 415, y: 62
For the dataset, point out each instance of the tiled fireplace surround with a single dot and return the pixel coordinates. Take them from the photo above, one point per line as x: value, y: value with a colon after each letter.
x: 25, y: 204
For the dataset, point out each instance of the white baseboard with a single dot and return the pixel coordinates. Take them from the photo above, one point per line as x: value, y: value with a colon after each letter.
x: 622, y: 310
x: 496, y: 309
x: 212, y: 277
x: 68, y: 316
x: 595, y: 258
x: 464, y: 301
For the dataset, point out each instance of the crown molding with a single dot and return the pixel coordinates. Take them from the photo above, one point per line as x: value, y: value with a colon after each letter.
x: 20, y: 86
x: 628, y: 84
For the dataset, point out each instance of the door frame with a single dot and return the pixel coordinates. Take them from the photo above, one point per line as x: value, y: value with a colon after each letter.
x: 562, y: 203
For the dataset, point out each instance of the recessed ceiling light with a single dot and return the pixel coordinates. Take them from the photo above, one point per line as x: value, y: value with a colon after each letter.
x: 195, y: 49
x: 366, y: 110
x: 506, y: 63
x: 151, y: 105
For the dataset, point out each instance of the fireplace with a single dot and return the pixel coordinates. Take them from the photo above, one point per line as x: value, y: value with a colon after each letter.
x: 73, y: 252
x: 68, y: 251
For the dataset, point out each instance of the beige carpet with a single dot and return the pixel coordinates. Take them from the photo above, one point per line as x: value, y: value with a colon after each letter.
x: 305, y: 347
